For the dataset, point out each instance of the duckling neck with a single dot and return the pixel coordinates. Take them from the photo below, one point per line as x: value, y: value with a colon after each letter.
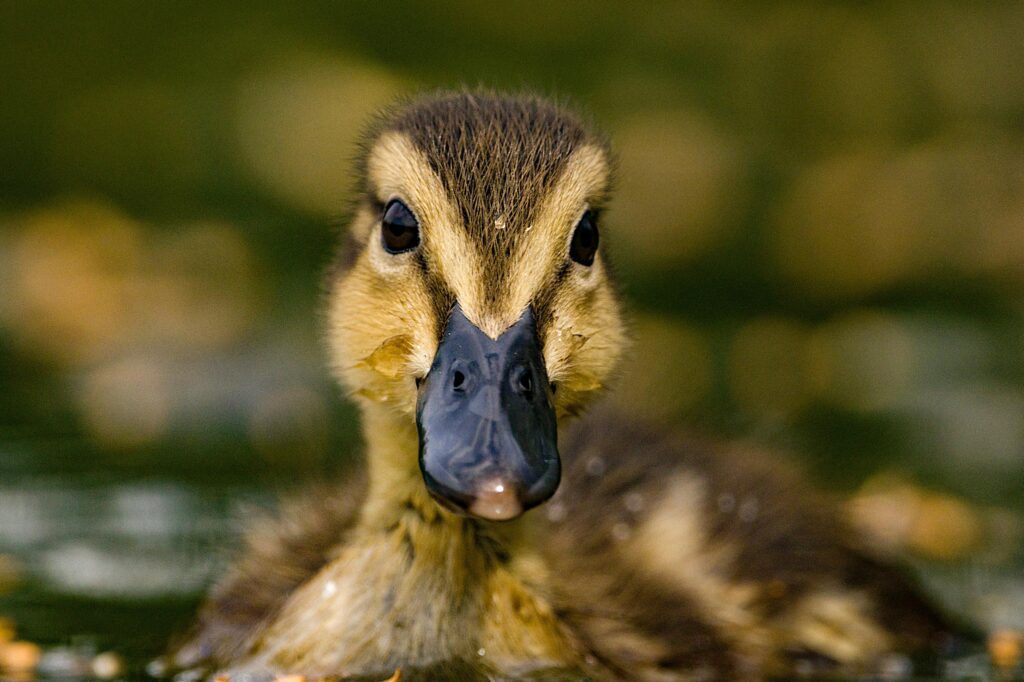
x: 397, y: 492
x: 392, y: 452
x: 409, y: 562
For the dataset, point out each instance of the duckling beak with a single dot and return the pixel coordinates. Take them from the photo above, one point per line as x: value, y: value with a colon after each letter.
x: 488, y: 435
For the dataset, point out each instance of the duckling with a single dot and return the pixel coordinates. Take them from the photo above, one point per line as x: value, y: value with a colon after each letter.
x: 472, y: 315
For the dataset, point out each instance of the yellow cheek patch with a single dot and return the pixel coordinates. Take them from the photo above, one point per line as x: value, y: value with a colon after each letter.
x: 584, y: 341
x: 382, y: 394
x: 564, y: 348
x: 382, y: 333
x: 390, y: 359
x: 383, y: 375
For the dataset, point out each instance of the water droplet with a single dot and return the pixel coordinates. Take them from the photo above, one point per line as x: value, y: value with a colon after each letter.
x: 330, y: 588
x: 749, y: 509
x: 556, y: 512
x: 635, y: 502
x: 726, y: 503
x: 157, y: 668
x: 191, y: 675
x: 595, y: 466
x: 895, y: 667
x: 621, y: 531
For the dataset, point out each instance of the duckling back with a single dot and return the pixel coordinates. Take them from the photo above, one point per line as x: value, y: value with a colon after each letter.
x: 670, y: 552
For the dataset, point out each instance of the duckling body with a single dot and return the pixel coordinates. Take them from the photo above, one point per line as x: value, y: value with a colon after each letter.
x: 677, y: 560
x: 661, y: 556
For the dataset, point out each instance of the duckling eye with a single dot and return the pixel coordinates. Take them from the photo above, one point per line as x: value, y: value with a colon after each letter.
x: 584, y: 240
x: 399, y: 229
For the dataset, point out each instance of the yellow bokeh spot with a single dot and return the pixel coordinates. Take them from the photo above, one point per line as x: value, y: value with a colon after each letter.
x: 682, y: 186
x: 895, y: 515
x: 297, y: 126
x: 68, y: 273
x: 669, y: 369
x: 863, y: 360
x: 768, y: 371
x: 126, y: 403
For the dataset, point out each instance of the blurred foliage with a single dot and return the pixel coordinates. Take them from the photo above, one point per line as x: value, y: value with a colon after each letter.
x: 820, y: 224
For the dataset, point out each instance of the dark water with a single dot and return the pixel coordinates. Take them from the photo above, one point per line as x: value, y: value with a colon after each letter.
x: 107, y: 563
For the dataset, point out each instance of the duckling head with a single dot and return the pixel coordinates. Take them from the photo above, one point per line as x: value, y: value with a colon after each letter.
x: 473, y: 296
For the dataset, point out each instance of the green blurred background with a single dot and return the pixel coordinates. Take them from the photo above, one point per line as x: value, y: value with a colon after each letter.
x: 819, y: 223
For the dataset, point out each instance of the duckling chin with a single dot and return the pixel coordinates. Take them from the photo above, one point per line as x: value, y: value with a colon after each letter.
x: 471, y: 317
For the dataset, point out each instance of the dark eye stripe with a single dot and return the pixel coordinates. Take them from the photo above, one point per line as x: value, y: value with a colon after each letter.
x: 399, y: 229
x: 563, y: 271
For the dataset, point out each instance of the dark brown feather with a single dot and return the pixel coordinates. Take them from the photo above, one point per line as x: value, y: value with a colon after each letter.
x: 496, y: 155
x: 796, y: 543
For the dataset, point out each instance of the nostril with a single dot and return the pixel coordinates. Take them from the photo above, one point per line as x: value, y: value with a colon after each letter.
x: 522, y: 382
x: 458, y: 380
x: 526, y: 382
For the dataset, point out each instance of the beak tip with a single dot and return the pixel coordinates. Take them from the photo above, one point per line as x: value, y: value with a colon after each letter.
x: 497, y: 500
